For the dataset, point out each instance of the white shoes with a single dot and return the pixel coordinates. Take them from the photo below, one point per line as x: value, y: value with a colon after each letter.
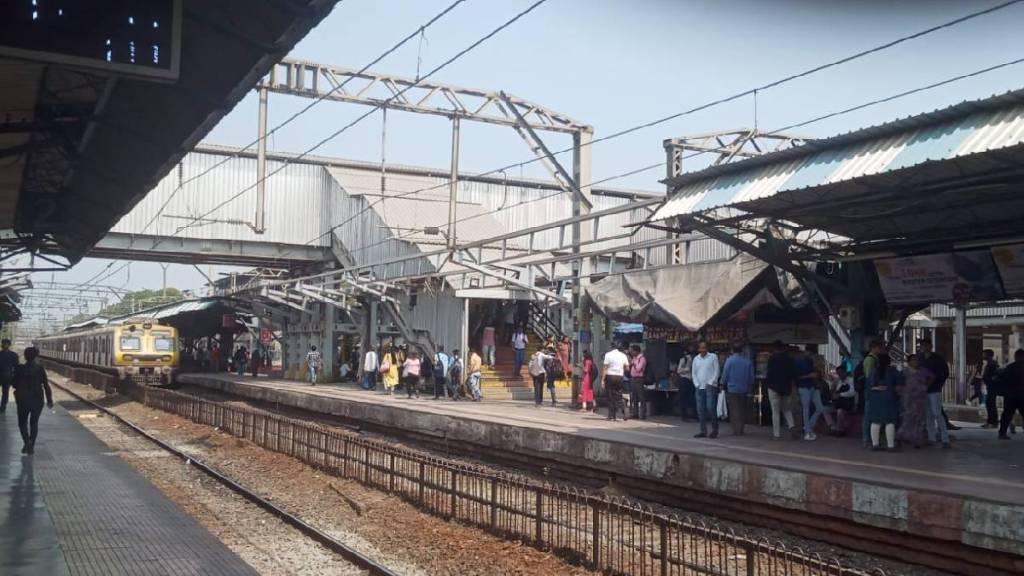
x: 810, y: 436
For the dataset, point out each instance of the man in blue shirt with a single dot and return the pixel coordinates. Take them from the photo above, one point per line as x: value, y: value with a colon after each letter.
x: 738, y: 380
x: 442, y: 362
x: 810, y: 369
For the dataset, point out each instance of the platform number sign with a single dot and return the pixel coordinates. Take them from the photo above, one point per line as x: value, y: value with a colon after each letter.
x: 139, y: 38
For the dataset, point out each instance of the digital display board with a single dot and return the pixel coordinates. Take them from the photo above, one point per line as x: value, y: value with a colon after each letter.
x: 126, y: 37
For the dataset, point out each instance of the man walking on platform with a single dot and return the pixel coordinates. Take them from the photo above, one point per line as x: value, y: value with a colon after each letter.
x: 615, y: 365
x: 314, y: 362
x: 30, y: 387
x: 474, y: 376
x: 738, y: 380
x: 705, y: 380
x: 8, y: 368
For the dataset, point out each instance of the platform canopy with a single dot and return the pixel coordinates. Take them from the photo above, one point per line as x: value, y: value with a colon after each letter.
x: 940, y: 181
x: 690, y: 296
x: 79, y: 147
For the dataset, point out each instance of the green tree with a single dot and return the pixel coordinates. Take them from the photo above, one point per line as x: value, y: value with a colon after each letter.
x: 141, y: 300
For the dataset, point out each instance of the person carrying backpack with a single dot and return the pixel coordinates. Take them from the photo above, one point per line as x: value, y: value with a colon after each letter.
x: 442, y: 363
x: 454, y: 377
x: 30, y: 387
x: 539, y: 363
x: 554, y: 369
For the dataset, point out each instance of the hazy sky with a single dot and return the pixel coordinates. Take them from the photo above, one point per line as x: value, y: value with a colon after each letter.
x: 615, y: 64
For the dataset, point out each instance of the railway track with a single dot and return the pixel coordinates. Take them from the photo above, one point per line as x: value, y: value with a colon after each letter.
x: 353, y: 556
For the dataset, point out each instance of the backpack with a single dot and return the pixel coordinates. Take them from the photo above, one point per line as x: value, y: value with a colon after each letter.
x: 594, y: 373
x: 455, y: 370
x: 556, y: 369
x: 426, y: 368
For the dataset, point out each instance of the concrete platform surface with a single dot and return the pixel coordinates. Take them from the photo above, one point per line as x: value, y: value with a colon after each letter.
x: 74, y: 508
x: 973, y: 493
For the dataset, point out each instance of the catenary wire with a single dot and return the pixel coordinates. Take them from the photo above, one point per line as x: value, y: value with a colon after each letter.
x: 653, y: 123
x: 693, y: 110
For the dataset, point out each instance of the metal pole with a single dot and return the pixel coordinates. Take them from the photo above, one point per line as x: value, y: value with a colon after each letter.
x: 580, y: 233
x: 259, y: 225
x: 453, y: 183
x: 960, y: 353
x: 464, y: 340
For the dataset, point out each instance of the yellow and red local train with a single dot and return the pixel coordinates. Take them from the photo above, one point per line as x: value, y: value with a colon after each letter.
x: 139, y: 349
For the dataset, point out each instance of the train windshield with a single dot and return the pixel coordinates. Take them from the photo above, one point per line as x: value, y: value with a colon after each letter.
x: 163, y: 343
x: 131, y: 343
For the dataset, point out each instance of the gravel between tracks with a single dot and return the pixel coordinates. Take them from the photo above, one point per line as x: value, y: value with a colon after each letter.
x: 389, y: 530
x: 863, y: 561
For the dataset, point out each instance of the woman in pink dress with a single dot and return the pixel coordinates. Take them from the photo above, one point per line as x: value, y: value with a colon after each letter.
x: 589, y: 376
x: 563, y: 355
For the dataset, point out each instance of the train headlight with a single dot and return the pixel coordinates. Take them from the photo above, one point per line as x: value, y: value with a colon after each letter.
x: 165, y: 358
x: 167, y: 369
x: 127, y: 357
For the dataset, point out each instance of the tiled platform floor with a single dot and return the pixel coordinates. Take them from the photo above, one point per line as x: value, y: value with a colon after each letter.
x: 75, y: 508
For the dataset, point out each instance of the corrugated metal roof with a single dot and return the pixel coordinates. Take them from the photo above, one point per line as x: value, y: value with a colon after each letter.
x: 966, y: 129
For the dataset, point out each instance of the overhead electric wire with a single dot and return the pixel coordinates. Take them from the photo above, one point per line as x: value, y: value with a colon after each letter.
x: 337, y: 133
x: 237, y: 154
x: 695, y: 154
x: 696, y: 109
x: 635, y: 128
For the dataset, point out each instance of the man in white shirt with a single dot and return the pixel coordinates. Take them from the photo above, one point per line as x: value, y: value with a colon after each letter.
x: 705, y: 380
x: 615, y: 365
x: 370, y: 368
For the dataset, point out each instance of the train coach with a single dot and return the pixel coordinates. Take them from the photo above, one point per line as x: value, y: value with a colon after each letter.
x: 140, y: 349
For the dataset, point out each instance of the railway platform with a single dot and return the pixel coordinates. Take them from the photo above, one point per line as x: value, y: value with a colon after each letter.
x: 971, y: 496
x: 75, y: 508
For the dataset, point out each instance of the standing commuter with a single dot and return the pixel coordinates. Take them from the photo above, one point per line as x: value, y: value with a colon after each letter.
x: 1012, y: 387
x: 988, y: 377
x: 454, y: 377
x: 809, y: 375
x: 474, y: 376
x: 442, y: 364
x: 256, y: 361
x: 705, y: 381
x: 538, y: 369
x: 8, y: 368
x: 637, y: 383
x: 371, y: 367
x: 30, y: 388
x: 687, y: 394
x: 935, y: 418
x: 780, y: 378
x: 615, y: 365
x: 737, y: 379
x: 487, y: 344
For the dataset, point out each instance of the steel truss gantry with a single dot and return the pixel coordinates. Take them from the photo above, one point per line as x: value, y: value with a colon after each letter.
x: 457, y: 103
x: 727, y: 145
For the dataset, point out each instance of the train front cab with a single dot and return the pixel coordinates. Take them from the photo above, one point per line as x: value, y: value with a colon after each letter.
x: 147, y: 353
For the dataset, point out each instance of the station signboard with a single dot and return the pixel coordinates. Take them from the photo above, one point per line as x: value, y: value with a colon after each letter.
x: 958, y: 277
x: 1010, y: 261
x: 137, y: 38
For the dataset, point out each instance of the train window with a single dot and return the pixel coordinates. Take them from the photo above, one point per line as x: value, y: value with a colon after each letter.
x: 131, y: 343
x: 163, y: 342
